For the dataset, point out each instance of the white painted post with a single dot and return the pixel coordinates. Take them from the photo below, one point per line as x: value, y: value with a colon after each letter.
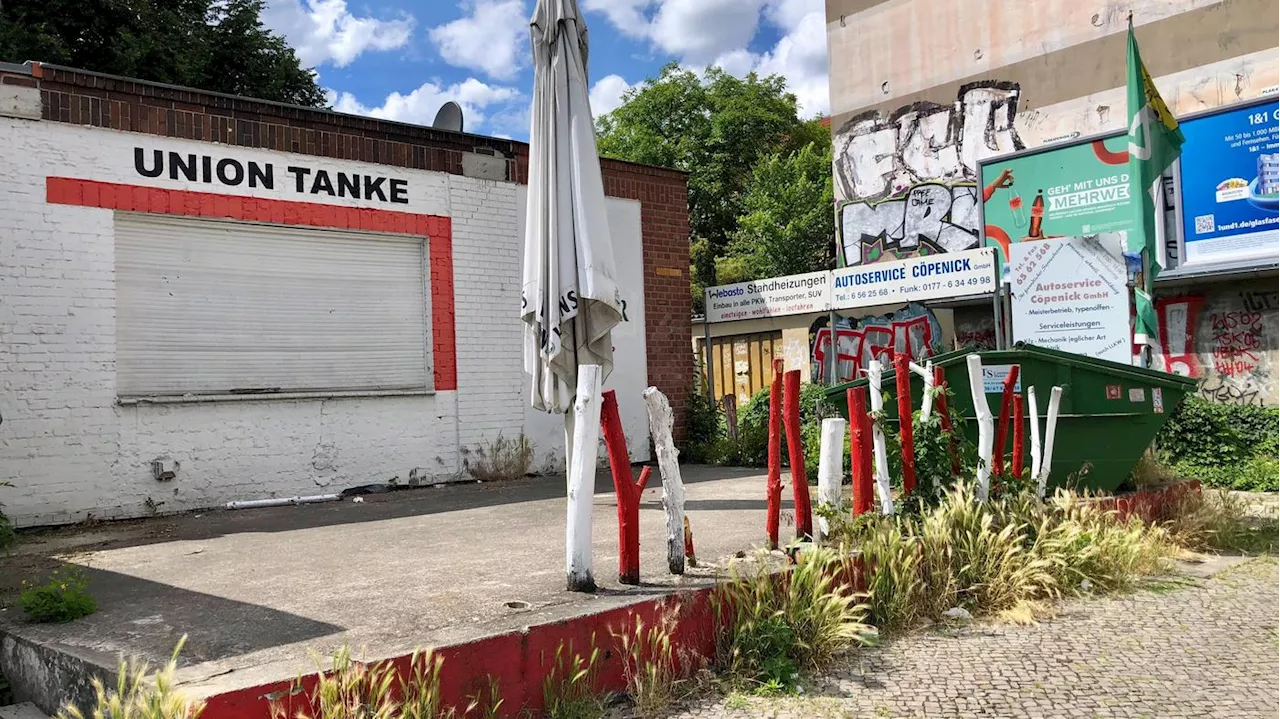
x: 1051, y: 424
x: 669, y: 465
x: 830, y: 469
x: 1033, y: 412
x: 926, y: 373
x: 883, y: 489
x: 582, y: 479
x: 986, y: 430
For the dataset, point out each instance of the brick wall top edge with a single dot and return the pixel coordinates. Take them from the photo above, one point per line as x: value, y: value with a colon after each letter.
x: 215, y: 103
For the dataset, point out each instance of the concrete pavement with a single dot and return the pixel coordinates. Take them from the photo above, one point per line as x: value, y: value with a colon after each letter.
x: 260, y: 592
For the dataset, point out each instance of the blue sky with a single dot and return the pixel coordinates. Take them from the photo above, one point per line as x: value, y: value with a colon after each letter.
x: 401, y: 60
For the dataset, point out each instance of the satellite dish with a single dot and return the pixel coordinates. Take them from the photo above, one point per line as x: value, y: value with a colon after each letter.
x: 449, y: 117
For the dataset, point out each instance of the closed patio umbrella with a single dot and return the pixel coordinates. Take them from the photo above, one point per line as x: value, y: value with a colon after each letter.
x: 570, y: 300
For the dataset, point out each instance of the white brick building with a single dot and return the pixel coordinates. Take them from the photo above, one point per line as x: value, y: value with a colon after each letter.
x: 274, y: 334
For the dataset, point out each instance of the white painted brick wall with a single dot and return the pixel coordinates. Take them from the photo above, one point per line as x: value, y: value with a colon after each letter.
x: 72, y: 452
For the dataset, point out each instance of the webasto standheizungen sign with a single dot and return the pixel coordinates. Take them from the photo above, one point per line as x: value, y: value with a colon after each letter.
x: 774, y: 297
x: 950, y: 274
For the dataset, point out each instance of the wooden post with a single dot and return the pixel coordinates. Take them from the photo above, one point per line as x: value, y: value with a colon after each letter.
x: 1051, y: 424
x: 926, y: 374
x: 582, y: 480
x: 729, y: 403
x: 883, y: 489
x: 944, y: 418
x: 625, y: 490
x: 830, y: 469
x: 795, y: 452
x: 1019, y: 435
x: 859, y: 449
x: 774, y: 486
x: 660, y: 422
x: 902, y: 378
x: 688, y: 544
x: 1033, y: 409
x: 985, y: 429
x: 1006, y: 408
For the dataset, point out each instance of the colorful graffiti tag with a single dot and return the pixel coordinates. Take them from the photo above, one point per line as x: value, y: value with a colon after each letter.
x: 913, y: 329
x: 906, y: 183
x: 1227, y: 340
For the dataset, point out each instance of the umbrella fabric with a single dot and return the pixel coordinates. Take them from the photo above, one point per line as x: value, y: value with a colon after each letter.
x: 570, y: 299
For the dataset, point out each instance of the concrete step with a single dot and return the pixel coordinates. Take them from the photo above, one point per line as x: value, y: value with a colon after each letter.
x: 25, y: 710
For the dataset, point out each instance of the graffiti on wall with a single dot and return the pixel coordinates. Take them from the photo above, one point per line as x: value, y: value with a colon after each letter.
x: 976, y: 330
x: 1225, y: 339
x: 913, y: 329
x: 906, y: 182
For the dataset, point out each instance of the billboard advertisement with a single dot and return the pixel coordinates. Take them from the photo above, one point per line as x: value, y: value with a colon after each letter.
x: 1064, y: 191
x: 1231, y: 184
x: 1070, y: 294
x: 774, y: 297
x: 951, y: 274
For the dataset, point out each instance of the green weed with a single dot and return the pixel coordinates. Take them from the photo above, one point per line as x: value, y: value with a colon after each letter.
x: 351, y: 689
x: 569, y: 691
x: 653, y: 671
x: 63, y: 597
x: 773, y: 626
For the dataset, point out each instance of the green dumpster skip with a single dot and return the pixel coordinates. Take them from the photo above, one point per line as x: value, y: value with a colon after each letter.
x: 1110, y: 411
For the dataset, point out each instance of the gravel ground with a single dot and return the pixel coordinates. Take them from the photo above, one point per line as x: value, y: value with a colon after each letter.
x: 1177, y: 649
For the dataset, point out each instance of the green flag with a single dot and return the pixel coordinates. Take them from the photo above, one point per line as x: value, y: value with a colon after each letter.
x: 1154, y: 143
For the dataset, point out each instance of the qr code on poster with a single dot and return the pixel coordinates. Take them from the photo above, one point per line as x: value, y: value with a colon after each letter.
x: 1204, y: 223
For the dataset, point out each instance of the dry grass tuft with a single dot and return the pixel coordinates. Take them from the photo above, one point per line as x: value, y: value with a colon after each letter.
x: 504, y: 459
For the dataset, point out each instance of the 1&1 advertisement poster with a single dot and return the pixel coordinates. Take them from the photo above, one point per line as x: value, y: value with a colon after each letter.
x: 1231, y: 184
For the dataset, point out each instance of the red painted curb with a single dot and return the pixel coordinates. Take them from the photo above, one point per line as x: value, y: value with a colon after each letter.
x: 517, y: 661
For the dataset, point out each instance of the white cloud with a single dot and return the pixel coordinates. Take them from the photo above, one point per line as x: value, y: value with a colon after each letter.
x: 698, y: 31
x: 737, y: 62
x: 628, y: 16
x: 325, y: 32
x: 787, y: 15
x: 492, y: 37
x: 420, y: 106
x: 606, y: 94
x: 801, y: 57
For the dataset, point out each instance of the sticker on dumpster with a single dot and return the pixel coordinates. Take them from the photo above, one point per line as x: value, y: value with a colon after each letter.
x: 1113, y: 391
x: 994, y: 375
x: 1137, y: 394
x: 1157, y: 400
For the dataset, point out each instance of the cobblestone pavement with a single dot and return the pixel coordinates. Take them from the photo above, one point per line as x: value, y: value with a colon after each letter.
x: 1185, y: 648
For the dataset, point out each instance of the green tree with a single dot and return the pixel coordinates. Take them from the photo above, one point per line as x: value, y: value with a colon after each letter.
x: 218, y: 45
x: 715, y: 128
x: 788, y: 223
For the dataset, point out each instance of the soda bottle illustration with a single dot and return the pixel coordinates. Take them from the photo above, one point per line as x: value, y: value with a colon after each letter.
x: 1037, y: 215
x: 1018, y: 211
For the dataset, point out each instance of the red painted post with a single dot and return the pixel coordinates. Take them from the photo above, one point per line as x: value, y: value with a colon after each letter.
x: 626, y: 491
x: 944, y: 416
x: 859, y: 450
x: 1018, y: 433
x: 795, y: 452
x: 689, y: 554
x: 902, y: 376
x: 1002, y: 430
x: 774, y: 487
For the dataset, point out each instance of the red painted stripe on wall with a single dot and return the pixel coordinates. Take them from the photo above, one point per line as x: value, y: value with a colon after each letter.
x: 160, y: 201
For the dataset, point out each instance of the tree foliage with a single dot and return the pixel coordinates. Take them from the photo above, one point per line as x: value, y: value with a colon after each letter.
x: 717, y: 128
x: 787, y: 223
x: 218, y: 45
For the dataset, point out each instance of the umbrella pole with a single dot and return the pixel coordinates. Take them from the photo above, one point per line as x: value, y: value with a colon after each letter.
x: 582, y: 476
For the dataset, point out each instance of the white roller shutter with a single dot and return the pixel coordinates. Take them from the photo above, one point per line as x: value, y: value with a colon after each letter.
x: 214, y: 308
